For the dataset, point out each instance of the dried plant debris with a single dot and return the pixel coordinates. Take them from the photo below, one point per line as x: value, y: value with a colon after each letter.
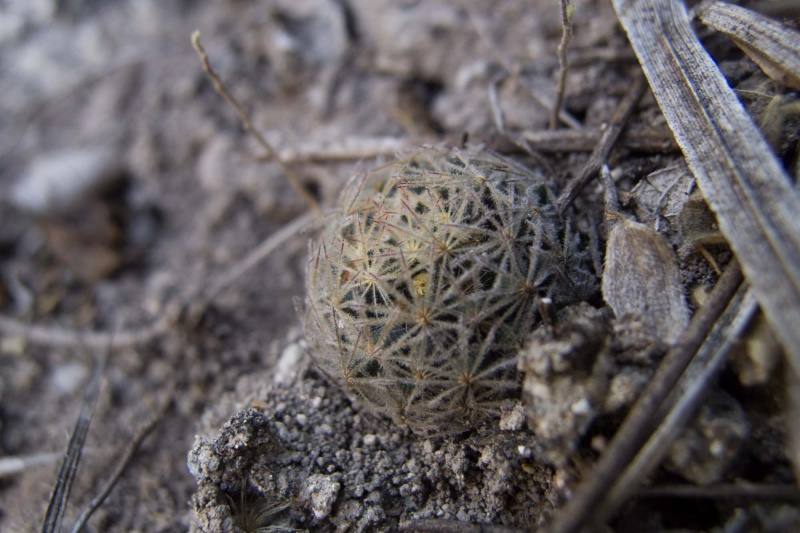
x: 342, y: 470
x: 739, y: 176
x: 668, y: 202
x: 423, y: 289
x: 566, y: 376
x: 770, y: 44
x: 658, y: 200
x: 641, y: 280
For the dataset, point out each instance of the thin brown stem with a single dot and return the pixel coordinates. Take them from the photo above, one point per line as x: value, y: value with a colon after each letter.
x: 609, y: 138
x: 737, y: 491
x: 219, y: 86
x: 563, y: 61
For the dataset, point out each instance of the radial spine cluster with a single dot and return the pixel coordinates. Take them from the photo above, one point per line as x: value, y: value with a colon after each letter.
x: 423, y: 288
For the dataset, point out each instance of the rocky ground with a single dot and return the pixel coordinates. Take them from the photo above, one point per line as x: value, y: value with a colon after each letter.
x: 129, y: 190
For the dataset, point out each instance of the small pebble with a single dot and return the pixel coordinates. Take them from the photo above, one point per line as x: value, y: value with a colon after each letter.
x: 287, y: 365
x: 67, y: 378
x: 319, y: 494
x: 524, y: 451
x: 59, y: 182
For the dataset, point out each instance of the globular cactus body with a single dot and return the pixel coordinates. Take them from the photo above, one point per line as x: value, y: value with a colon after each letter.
x: 421, y: 291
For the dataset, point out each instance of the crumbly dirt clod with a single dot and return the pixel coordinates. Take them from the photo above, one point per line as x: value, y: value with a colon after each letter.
x: 585, y: 366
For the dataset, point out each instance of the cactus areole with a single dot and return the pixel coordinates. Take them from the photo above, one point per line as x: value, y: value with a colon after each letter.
x: 422, y: 289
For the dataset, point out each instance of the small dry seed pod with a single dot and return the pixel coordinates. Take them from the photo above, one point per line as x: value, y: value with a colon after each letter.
x: 422, y: 289
x: 641, y: 279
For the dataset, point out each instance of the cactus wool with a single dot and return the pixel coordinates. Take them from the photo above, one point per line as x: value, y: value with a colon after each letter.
x: 422, y: 290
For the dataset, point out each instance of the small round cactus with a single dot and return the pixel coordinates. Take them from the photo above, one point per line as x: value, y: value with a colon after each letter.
x: 422, y: 289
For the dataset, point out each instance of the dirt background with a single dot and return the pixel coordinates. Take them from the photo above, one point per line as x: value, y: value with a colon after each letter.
x: 121, y: 78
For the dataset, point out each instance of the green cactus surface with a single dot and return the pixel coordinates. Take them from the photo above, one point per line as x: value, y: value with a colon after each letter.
x: 423, y: 288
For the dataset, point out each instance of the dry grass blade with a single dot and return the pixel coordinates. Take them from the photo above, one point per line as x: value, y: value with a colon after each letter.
x: 772, y: 45
x: 735, y: 491
x: 741, y: 179
x: 656, y: 139
x: 123, y: 464
x: 66, y: 473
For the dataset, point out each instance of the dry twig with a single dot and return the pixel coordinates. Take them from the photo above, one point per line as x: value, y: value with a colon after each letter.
x: 587, y: 139
x: 736, y: 491
x: 567, y: 10
x: 248, y: 125
x: 603, y: 148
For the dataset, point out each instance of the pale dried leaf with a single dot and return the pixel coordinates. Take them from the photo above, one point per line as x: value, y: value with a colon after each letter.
x: 773, y: 46
x: 641, y: 279
x: 660, y: 198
